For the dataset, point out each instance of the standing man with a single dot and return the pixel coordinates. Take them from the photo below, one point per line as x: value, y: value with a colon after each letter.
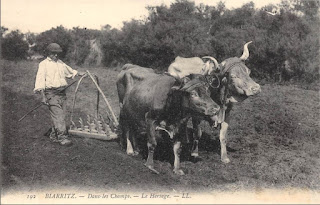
x: 50, y: 82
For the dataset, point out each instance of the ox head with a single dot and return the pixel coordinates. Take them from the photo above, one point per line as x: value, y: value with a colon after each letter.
x: 236, y: 76
x: 196, y: 95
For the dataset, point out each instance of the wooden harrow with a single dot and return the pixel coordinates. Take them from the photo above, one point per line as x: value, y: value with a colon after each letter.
x: 95, y: 127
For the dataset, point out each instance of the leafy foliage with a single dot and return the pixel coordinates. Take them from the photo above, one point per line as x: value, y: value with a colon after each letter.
x: 13, y: 45
x: 74, y: 43
x: 285, y: 38
x: 58, y: 35
x: 284, y: 43
x: 80, y: 45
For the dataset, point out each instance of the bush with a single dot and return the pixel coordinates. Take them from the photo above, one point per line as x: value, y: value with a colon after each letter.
x: 14, y: 47
x: 184, y: 29
x: 81, y: 47
x: 58, y: 35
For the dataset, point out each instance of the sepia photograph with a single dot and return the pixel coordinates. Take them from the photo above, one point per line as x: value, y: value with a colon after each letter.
x: 160, y: 102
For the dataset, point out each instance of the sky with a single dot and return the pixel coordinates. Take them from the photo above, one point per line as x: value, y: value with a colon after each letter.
x: 41, y: 15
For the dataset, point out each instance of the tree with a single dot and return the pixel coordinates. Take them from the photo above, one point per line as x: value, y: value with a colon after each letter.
x: 167, y: 33
x: 58, y: 35
x: 13, y: 46
x: 3, y: 30
x: 30, y: 38
x: 79, y: 48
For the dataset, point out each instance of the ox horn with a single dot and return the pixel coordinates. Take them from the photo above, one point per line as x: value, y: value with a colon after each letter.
x: 245, y: 53
x: 216, y: 64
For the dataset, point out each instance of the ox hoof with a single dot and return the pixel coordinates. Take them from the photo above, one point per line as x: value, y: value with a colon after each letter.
x: 135, y: 153
x: 130, y: 153
x: 178, y: 172
x: 225, y: 160
x: 151, y: 168
x: 194, y: 154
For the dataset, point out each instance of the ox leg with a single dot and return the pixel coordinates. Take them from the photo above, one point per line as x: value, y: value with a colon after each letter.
x: 196, y: 136
x: 129, y: 151
x: 177, y: 152
x: 127, y: 132
x: 223, y: 141
x: 150, y: 163
x: 125, y: 141
x: 135, y: 143
x: 152, y: 144
x: 129, y: 147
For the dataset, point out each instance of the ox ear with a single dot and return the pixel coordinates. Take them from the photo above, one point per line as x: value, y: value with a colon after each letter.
x: 185, y: 80
x: 180, y: 83
x: 222, y: 67
x: 190, y: 85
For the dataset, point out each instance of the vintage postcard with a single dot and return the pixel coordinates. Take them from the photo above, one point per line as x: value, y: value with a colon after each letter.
x: 160, y: 102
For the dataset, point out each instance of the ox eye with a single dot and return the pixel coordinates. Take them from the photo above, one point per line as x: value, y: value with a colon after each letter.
x: 194, y: 94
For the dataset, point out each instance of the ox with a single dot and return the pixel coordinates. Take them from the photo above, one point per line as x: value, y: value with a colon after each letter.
x: 182, y: 67
x: 153, y: 101
x: 234, y: 85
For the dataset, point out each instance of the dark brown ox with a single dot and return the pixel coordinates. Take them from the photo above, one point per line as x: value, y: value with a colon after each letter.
x: 234, y: 84
x: 129, y: 75
x: 153, y: 101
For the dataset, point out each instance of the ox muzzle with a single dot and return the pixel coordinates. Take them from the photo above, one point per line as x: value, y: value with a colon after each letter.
x: 253, y: 90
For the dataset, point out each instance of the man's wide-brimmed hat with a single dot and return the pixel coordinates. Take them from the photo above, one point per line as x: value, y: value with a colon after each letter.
x: 54, y: 47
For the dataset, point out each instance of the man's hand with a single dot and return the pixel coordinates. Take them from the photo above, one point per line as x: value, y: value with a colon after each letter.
x: 44, y: 98
x: 81, y: 73
x: 45, y: 101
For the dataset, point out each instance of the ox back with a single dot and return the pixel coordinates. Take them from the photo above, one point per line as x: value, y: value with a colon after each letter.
x: 151, y: 94
x: 129, y: 76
